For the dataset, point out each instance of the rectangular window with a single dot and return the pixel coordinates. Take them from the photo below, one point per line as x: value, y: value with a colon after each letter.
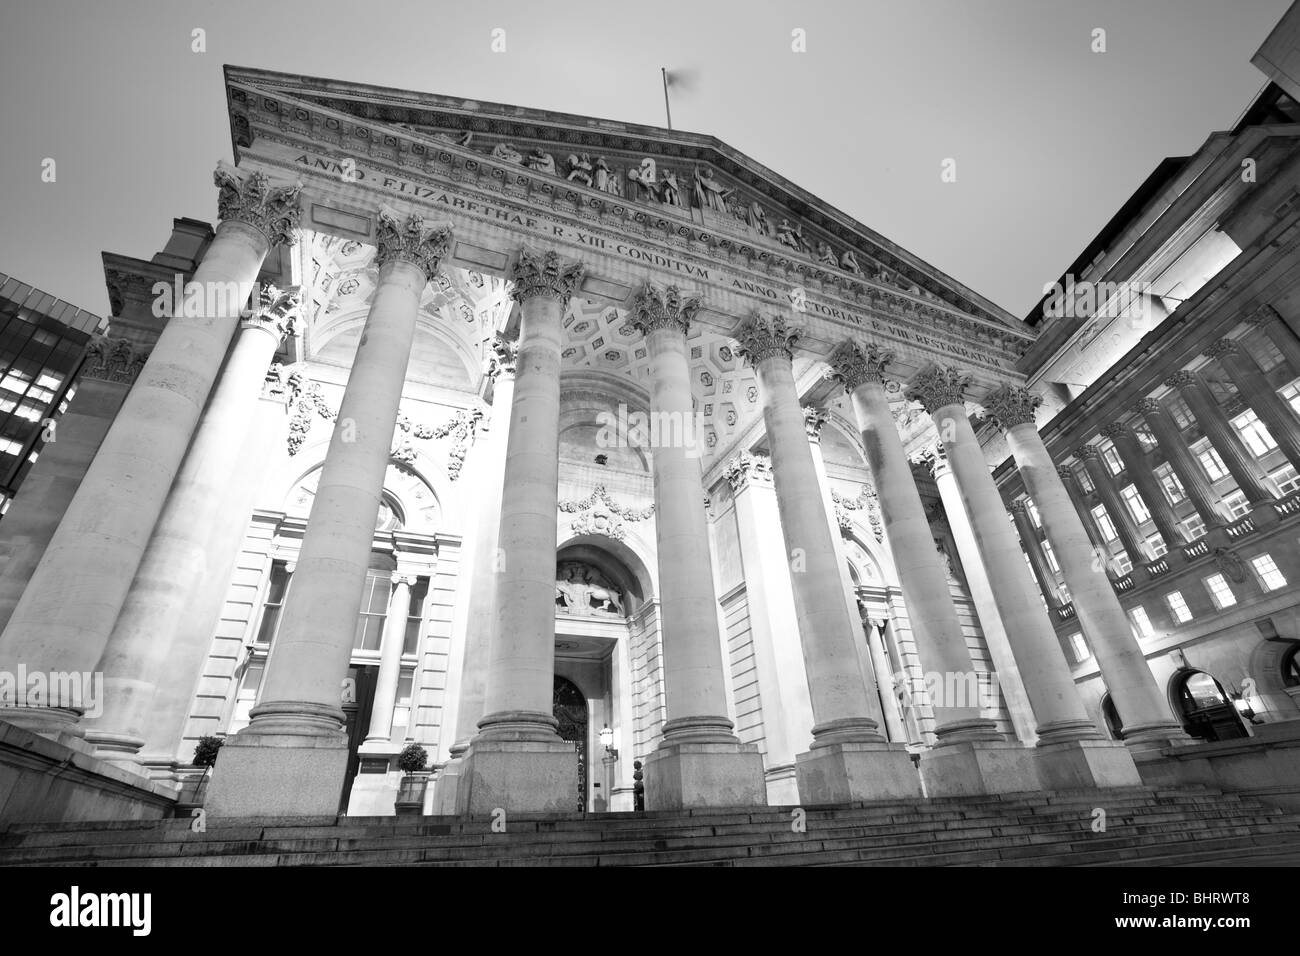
x: 1051, y: 557
x: 1079, y: 647
x: 1287, y: 478
x: 1210, y: 460
x: 1194, y: 525
x: 1033, y: 512
x: 246, y: 696
x: 1220, y: 591
x: 1269, y: 574
x: 416, y: 617
x: 402, y: 707
x: 1157, y: 545
x: 274, y: 602
x: 1143, y: 432
x: 1253, y: 433
x: 1237, y: 503
x: 374, y: 608
x: 1136, y: 506
x: 1169, y: 482
x: 1104, y: 523
x: 1123, y: 563
x: 1085, y: 480
x: 1178, y: 607
x: 1178, y: 410
x: 1110, y: 455
x: 1262, y: 349
x: 1292, y: 395
x: 1141, y: 623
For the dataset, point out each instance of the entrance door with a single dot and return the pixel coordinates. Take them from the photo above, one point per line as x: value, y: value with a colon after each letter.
x: 356, y: 712
x: 1208, y: 712
x: 570, y: 710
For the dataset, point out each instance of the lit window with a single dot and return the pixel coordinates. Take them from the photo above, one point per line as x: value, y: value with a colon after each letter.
x: 1253, y: 433
x: 1123, y: 563
x: 1178, y: 607
x: 1085, y: 480
x: 1141, y: 623
x: 1143, y: 432
x: 1079, y: 648
x: 49, y: 381
x: 1051, y: 558
x: 1110, y: 455
x: 1157, y: 545
x: 1104, y: 523
x: 1237, y: 503
x: 1210, y: 460
x: 1033, y: 513
x: 1220, y: 591
x: 1169, y: 482
x: 1194, y: 525
x: 9, y: 447
x: 1266, y: 569
x: 1287, y: 478
x: 1292, y: 394
x: 1136, y: 506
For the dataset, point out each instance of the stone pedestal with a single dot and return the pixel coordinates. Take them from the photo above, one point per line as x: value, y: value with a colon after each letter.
x: 519, y: 776
x: 445, y: 787
x: 973, y: 767
x: 1080, y: 764
x: 278, y: 775
x: 848, y: 772
x: 682, y: 776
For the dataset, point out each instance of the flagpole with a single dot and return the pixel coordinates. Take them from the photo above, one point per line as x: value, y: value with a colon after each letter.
x: 667, y: 111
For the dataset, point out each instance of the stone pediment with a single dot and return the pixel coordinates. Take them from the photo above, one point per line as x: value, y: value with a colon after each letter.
x: 688, y: 185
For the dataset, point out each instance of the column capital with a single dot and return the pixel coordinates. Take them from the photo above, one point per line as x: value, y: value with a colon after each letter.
x: 403, y: 577
x: 937, y: 386
x: 1019, y: 507
x: 1220, y: 348
x: 1116, y: 430
x: 1264, y: 316
x: 653, y: 308
x: 1065, y: 473
x: 275, y: 312
x: 112, y: 359
x: 745, y: 469
x: 813, y: 420
x: 502, y: 354
x: 1181, y: 379
x: 1010, y: 405
x: 853, y: 364
x: 274, y: 211
x: 765, y: 336
x: 1148, y: 406
x: 535, y: 274
x: 410, y: 240
x: 1088, y: 453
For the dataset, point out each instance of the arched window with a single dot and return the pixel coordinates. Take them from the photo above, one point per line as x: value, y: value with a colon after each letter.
x: 1291, y: 666
x: 1205, y: 708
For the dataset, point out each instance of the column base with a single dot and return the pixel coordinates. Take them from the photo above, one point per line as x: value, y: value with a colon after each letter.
x: 373, y: 794
x: 685, y: 775
x: 849, y: 772
x: 1085, y: 764
x: 518, y: 776
x: 278, y: 775
x: 51, y: 722
x: 782, y: 786
x: 1152, y: 738
x: 974, y: 767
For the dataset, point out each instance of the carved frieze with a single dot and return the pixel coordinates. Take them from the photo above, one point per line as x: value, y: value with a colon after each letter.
x: 112, y: 359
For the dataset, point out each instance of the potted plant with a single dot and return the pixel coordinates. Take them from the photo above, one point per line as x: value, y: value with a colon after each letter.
x: 410, y: 793
x: 205, y: 756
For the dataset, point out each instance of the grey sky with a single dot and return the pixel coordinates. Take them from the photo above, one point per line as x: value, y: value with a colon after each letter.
x: 1049, y: 137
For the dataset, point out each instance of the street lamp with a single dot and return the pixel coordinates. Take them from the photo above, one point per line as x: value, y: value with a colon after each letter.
x: 607, y: 740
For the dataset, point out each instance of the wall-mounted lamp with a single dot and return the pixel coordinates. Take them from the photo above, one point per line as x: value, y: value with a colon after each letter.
x: 607, y: 741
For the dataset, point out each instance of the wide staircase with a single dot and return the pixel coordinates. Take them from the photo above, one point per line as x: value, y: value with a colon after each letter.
x: 1142, y: 827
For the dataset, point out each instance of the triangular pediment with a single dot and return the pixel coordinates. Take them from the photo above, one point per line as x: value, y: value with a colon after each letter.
x: 685, y: 182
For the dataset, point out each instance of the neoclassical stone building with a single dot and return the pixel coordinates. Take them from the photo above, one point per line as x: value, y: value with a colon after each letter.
x: 554, y: 444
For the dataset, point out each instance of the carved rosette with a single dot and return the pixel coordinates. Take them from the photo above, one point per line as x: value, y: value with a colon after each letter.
x: 544, y: 274
x: 1220, y: 348
x: 813, y: 420
x: 1011, y: 405
x: 652, y: 309
x: 251, y: 199
x: 410, y: 240
x: 502, y: 355
x: 853, y: 364
x: 746, y: 468
x: 275, y: 312
x: 762, y: 337
x: 113, y: 359
x: 937, y: 386
x: 1181, y: 379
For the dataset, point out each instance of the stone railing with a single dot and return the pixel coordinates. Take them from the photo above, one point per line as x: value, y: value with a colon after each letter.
x: 1287, y: 506
x: 1240, y: 528
x: 1198, y: 548
x: 1065, y: 612
x: 1157, y: 567
x: 1124, y: 583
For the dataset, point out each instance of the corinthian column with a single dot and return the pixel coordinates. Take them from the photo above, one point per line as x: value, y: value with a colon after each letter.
x: 292, y: 757
x: 849, y: 759
x: 1139, y: 551
x: 146, y: 643
x: 1241, y: 464
x: 1148, y: 486
x: 1279, y: 333
x: 1037, y: 556
x: 700, y: 762
x: 1254, y: 386
x: 1147, y: 720
x: 1189, y: 471
x: 67, y: 612
x: 518, y: 762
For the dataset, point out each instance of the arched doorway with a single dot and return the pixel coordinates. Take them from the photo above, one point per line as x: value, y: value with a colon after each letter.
x: 1205, y: 708
x: 569, y: 708
x: 1111, y: 715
